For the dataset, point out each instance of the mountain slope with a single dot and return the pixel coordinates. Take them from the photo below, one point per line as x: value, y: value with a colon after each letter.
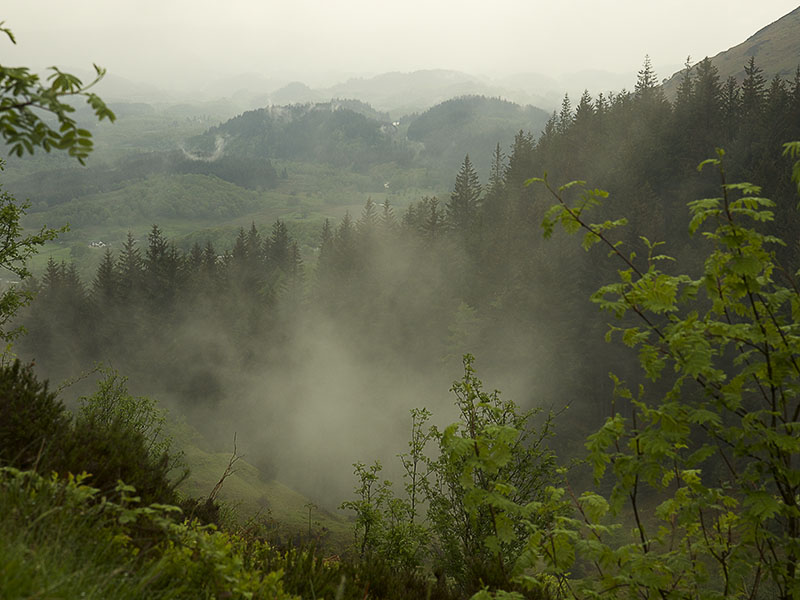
x: 776, y: 49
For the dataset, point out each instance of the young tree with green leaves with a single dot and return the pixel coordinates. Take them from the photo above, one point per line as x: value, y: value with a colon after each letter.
x: 707, y: 471
x: 23, y: 98
x: 26, y: 103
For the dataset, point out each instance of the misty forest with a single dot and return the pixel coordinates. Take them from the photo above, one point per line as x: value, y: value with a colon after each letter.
x: 466, y: 349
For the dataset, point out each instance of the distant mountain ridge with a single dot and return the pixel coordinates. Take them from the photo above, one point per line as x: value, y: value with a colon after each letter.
x: 406, y: 93
x: 775, y: 47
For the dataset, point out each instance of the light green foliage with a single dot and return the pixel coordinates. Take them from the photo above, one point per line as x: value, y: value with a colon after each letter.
x: 60, y: 540
x: 385, y: 524
x: 792, y: 149
x: 22, y: 98
x: 24, y: 105
x: 15, y: 251
x: 714, y: 458
x: 372, y: 494
x: 112, y: 402
x: 492, y: 465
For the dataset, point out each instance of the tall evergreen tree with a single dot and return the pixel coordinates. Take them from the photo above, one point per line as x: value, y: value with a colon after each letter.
x: 162, y: 270
x: 753, y: 92
x: 130, y: 266
x: 495, y: 190
x: 730, y: 106
x: 584, y: 113
x: 647, y: 87
x: 685, y: 92
x: 105, y: 286
x: 564, y: 116
x: 462, y: 209
x: 387, y: 221
x: 367, y: 224
x: 278, y: 247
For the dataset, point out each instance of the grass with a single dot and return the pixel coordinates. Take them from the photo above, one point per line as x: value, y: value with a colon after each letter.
x: 60, y: 540
x: 274, y: 506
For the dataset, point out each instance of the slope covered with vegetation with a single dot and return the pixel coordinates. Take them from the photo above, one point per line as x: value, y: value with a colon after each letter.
x: 687, y: 452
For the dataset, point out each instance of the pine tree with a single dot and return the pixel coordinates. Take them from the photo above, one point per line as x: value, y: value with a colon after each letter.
x: 462, y: 209
x: 647, y: 87
x: 387, y: 221
x: 367, y: 224
x: 685, y: 92
x: 345, y: 248
x: 753, y: 92
x: 497, y: 182
x: 278, y: 248
x: 162, y: 265
x: 254, y: 247
x: 565, y: 116
x: 546, y: 139
x: 707, y: 101
x: 730, y: 107
x: 584, y: 114
x: 105, y: 286
x: 131, y: 270
x: 240, y: 247
x: 520, y: 161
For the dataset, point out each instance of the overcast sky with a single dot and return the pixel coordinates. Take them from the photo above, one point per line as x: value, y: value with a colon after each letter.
x: 322, y: 41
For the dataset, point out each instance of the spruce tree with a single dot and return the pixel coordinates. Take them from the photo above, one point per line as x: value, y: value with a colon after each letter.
x: 565, y: 116
x: 495, y: 189
x: 753, y: 92
x: 130, y: 266
x: 367, y: 224
x: 278, y: 247
x: 462, y: 209
x: 105, y: 286
x: 730, y: 107
x: 647, y: 87
x: 387, y: 221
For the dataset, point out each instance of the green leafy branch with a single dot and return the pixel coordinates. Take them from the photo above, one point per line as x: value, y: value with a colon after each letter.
x: 25, y: 100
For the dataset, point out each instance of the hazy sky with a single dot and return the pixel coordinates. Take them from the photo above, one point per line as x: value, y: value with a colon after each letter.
x: 320, y: 41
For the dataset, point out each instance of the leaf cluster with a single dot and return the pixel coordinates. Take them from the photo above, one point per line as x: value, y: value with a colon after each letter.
x: 713, y: 457
x: 26, y: 101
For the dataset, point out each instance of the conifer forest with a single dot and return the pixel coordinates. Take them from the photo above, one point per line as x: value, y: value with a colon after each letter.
x: 330, y: 349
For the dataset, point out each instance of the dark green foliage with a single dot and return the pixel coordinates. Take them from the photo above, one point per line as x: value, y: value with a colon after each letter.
x: 471, y: 124
x: 117, y: 437
x: 309, y: 574
x: 111, y: 452
x: 462, y: 209
x: 330, y: 133
x: 33, y: 423
x: 710, y: 441
x: 59, y: 186
x: 114, y: 436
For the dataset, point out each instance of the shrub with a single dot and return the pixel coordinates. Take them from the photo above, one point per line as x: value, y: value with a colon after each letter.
x: 117, y: 436
x: 32, y: 420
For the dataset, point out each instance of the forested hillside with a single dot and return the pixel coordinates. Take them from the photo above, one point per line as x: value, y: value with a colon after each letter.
x: 445, y: 276
x: 322, y: 341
